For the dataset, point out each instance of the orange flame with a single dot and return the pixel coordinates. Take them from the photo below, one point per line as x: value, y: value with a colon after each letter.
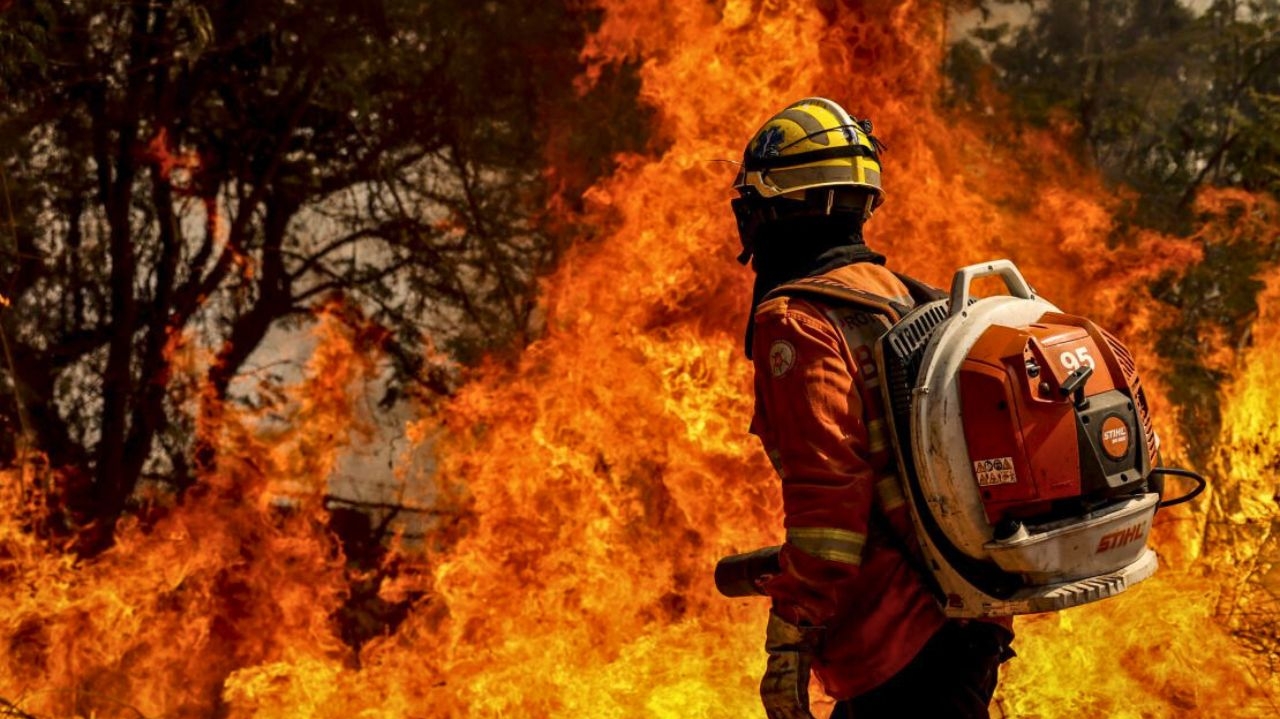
x: 229, y: 579
x: 607, y: 471
x: 179, y: 168
x: 173, y: 165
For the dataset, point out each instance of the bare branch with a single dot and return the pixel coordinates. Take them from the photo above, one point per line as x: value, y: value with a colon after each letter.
x: 10, y: 709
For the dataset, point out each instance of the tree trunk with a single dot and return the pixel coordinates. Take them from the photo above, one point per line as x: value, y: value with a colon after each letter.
x: 273, y: 301
x: 1090, y: 78
x: 113, y: 484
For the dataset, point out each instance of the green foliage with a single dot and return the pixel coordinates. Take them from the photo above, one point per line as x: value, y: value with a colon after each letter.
x: 1219, y: 292
x: 1169, y: 97
x: 21, y: 39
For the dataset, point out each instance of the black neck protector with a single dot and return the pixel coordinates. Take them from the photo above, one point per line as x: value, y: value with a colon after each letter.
x: 803, y: 247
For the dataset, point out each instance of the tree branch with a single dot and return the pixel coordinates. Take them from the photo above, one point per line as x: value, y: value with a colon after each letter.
x: 390, y: 506
x: 10, y: 709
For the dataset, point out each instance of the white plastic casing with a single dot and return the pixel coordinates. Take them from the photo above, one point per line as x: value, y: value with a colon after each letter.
x: 1068, y: 563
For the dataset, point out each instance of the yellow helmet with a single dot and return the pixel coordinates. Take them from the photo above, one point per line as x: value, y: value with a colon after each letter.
x: 813, y: 143
x: 812, y: 158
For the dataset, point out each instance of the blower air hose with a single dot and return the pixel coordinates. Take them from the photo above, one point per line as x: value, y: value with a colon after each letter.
x: 1201, y: 483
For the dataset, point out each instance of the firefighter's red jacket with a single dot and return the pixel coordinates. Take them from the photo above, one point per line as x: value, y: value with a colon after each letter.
x: 820, y: 416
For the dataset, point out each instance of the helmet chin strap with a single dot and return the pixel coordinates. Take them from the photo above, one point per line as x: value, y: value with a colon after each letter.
x: 746, y: 216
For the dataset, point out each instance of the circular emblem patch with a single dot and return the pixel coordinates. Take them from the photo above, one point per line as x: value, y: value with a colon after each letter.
x: 1115, y: 437
x: 781, y: 357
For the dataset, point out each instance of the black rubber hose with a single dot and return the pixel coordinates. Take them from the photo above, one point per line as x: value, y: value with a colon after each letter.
x: 1201, y: 483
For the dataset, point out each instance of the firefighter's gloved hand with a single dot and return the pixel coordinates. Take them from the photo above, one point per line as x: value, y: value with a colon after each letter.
x: 785, y: 687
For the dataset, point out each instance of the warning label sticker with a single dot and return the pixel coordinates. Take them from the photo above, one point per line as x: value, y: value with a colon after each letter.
x: 995, y: 471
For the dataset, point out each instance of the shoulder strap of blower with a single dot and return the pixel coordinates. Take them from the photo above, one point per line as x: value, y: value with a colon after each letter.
x: 921, y: 293
x: 824, y: 289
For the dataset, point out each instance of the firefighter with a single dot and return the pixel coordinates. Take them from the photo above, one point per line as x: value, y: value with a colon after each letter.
x: 850, y: 598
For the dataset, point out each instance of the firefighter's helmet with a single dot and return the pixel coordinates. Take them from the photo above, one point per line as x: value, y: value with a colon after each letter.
x: 811, y: 158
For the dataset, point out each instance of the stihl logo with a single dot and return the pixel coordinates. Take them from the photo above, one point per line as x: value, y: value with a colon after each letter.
x: 1121, y: 537
x: 1115, y: 437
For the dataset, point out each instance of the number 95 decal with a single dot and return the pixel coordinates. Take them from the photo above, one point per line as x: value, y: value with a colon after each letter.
x: 1074, y: 360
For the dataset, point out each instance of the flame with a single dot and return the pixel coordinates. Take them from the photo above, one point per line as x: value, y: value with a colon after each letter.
x: 228, y: 579
x: 175, y: 166
x: 179, y: 168
x: 604, y: 473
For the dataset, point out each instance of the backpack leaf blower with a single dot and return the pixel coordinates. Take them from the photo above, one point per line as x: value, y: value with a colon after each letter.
x: 1024, y: 447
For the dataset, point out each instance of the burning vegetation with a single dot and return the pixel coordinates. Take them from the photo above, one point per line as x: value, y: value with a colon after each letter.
x: 584, y: 489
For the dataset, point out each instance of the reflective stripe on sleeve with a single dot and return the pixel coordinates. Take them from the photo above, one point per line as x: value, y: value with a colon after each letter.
x: 837, y: 545
x: 877, y: 436
x: 890, y: 492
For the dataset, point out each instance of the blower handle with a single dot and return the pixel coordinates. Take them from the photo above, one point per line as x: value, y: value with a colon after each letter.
x: 1013, y: 280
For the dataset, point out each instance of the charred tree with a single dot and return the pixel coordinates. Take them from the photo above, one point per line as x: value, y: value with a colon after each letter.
x: 209, y: 171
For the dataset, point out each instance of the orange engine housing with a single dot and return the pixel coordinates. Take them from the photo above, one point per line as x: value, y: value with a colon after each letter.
x: 1039, y: 449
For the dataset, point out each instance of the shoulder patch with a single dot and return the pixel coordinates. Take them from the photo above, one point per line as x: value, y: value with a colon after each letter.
x: 773, y: 305
x: 782, y: 357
